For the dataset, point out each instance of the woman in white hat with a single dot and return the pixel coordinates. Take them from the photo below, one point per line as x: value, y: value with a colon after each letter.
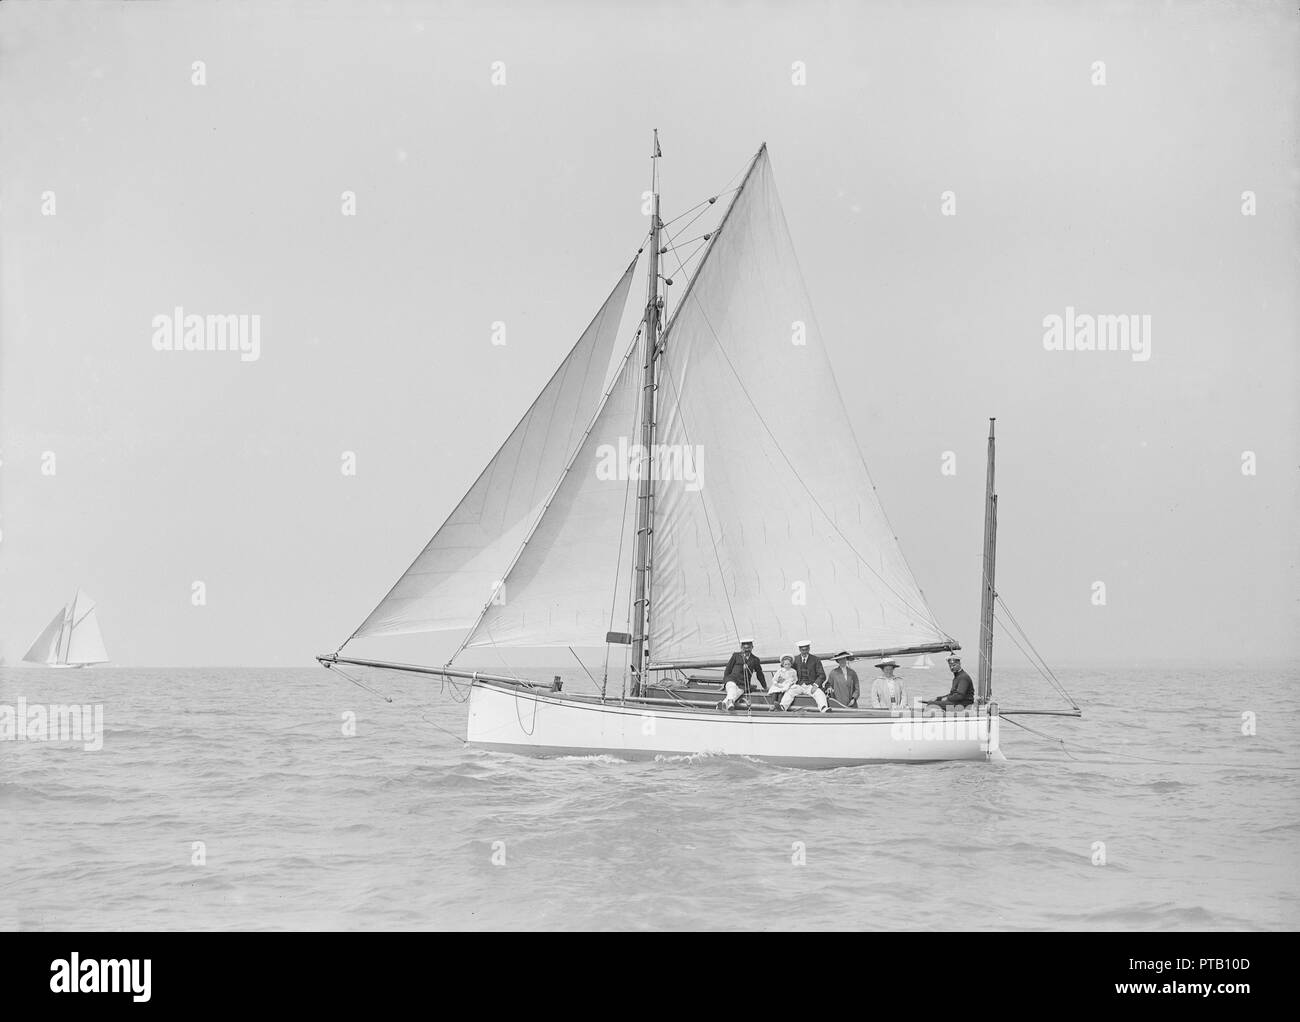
x: 887, y: 691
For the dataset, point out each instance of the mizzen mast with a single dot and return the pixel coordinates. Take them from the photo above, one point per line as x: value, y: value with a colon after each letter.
x: 645, y: 483
x: 988, y: 593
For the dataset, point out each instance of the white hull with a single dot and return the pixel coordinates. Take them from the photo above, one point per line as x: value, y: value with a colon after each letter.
x: 510, y: 719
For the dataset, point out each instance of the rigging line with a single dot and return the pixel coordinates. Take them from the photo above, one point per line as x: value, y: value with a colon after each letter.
x: 1105, y: 752
x: 520, y: 720
x: 448, y: 682
x: 1040, y: 734
x: 702, y: 202
x: 726, y: 190
x: 924, y: 614
x: 672, y: 238
x: 622, y: 537
x: 708, y: 522
x: 681, y: 263
x: 1060, y: 690
x: 627, y: 651
x: 359, y: 683
x: 1010, y: 635
x: 652, y: 502
x: 463, y: 741
x: 582, y: 665
x: 1039, y: 664
x: 998, y: 597
x: 674, y: 243
x: 505, y: 667
x: 726, y: 216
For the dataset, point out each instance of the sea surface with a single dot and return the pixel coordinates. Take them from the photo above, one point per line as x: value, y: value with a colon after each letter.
x: 400, y: 826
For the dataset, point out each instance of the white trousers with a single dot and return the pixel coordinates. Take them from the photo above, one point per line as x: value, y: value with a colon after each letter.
x: 819, y: 697
x: 734, y: 692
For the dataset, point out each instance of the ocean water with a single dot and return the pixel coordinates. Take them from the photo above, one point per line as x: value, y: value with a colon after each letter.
x: 398, y: 825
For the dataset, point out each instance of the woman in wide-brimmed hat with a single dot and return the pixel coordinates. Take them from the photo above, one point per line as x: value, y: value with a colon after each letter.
x: 887, y: 691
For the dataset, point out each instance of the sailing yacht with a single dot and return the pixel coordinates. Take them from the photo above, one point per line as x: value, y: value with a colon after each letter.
x: 72, y: 638
x: 675, y: 512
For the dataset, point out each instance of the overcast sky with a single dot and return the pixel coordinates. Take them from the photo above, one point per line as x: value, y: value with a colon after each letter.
x: 521, y: 203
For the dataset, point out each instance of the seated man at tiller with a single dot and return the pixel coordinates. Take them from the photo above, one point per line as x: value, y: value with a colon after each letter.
x: 962, y: 692
x: 738, y: 679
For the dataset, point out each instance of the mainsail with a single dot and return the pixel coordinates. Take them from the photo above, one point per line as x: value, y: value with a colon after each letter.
x: 786, y: 538
x: 72, y: 637
x: 457, y: 572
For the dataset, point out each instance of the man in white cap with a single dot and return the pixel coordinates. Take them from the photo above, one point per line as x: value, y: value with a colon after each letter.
x: 887, y: 691
x: 741, y: 668
x: 810, y: 678
x: 962, y: 692
x: 842, y: 682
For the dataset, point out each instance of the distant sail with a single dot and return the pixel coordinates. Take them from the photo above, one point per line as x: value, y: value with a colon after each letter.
x: 454, y: 577
x: 785, y: 538
x: 85, y: 643
x: 72, y: 637
x: 922, y: 663
x: 45, y: 650
x: 569, y: 577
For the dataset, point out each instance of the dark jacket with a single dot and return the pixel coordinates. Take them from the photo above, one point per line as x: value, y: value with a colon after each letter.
x: 810, y: 673
x: 843, y: 685
x: 963, y: 690
x: 742, y: 667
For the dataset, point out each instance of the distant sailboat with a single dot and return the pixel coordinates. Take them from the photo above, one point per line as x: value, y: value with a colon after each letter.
x: 922, y: 663
x: 596, y: 523
x: 72, y: 638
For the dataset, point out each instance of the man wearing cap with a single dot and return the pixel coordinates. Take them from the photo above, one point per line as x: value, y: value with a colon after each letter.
x: 842, y: 683
x: 962, y: 692
x: 810, y: 678
x: 741, y: 668
x: 887, y: 691
x: 808, y: 669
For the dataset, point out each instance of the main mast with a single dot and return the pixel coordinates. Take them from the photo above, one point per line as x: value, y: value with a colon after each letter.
x: 645, y: 484
x: 984, y: 687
